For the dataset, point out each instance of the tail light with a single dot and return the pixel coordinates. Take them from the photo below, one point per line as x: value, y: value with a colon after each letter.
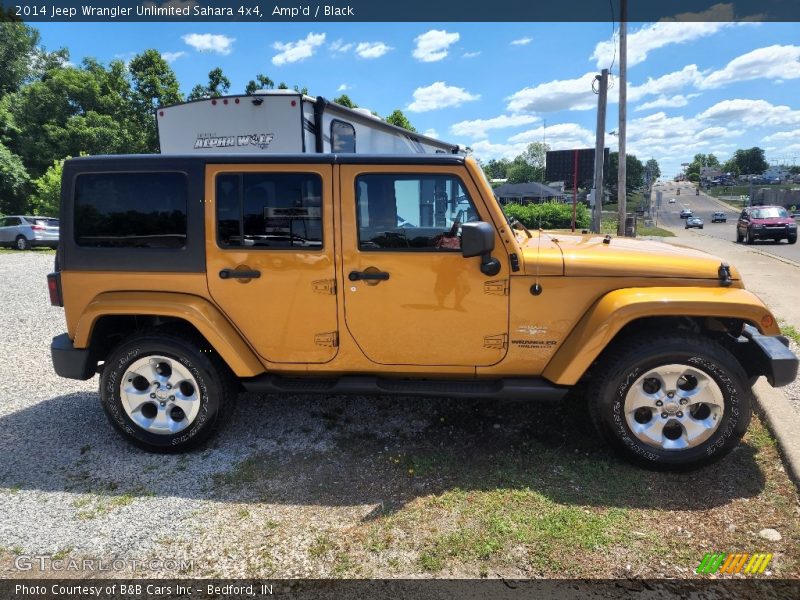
x: 54, y: 287
x: 37, y: 227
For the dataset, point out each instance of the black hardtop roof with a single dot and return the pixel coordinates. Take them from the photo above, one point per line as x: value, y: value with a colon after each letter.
x: 127, y: 160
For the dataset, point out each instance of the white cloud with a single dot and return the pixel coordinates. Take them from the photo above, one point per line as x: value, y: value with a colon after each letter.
x: 291, y: 52
x: 471, y: 54
x: 433, y: 45
x: 662, y: 101
x: 210, y: 42
x: 783, y: 135
x: 522, y: 41
x: 340, y: 46
x: 343, y: 88
x: 561, y: 136
x: 772, y: 62
x: 669, y: 83
x: 439, y: 95
x: 654, y: 36
x: 751, y: 112
x: 717, y: 132
x: 171, y: 57
x: 479, y: 128
x: 486, y: 150
x: 431, y: 133
x: 564, y: 94
x: 372, y: 49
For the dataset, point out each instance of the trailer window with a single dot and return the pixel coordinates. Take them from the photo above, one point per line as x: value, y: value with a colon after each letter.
x: 343, y: 137
x: 269, y: 210
x: 131, y: 210
x: 406, y: 212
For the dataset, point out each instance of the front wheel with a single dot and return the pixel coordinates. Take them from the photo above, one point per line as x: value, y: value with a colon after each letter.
x: 672, y: 401
x: 792, y: 239
x: 738, y: 237
x: 163, y: 393
x: 748, y: 237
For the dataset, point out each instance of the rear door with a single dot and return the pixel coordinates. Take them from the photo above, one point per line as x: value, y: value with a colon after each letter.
x: 411, y: 298
x: 269, y: 253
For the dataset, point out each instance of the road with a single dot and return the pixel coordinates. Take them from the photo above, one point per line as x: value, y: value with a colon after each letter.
x: 703, y: 206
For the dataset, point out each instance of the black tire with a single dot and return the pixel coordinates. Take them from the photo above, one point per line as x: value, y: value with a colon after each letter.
x: 792, y: 239
x: 632, y: 359
x: 748, y: 237
x: 22, y: 243
x: 738, y: 236
x: 216, y: 390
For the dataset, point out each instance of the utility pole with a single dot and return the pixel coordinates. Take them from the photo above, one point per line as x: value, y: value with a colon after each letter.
x: 599, y: 149
x: 623, y: 100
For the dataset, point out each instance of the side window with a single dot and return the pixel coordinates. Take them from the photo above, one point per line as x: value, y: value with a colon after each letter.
x: 269, y: 210
x: 343, y: 137
x: 131, y: 210
x: 13, y: 222
x: 412, y: 212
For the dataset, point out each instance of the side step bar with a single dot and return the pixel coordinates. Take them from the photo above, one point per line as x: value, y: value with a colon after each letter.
x: 517, y: 388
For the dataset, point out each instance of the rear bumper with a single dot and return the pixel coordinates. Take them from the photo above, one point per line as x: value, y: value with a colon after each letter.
x: 71, y: 362
x: 774, y: 359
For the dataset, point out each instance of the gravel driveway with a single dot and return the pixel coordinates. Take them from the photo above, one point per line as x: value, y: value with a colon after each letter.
x: 352, y: 487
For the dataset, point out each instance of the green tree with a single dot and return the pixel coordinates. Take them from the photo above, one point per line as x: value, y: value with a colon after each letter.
x: 154, y: 84
x: 218, y: 85
x: 398, y: 119
x: 344, y: 100
x: 702, y: 160
x: 46, y: 197
x: 634, y: 173
x: 528, y: 166
x: 652, y: 169
x: 497, y: 168
x: 750, y: 161
x: 261, y: 82
x: 731, y: 167
x: 14, y: 182
x: 16, y: 52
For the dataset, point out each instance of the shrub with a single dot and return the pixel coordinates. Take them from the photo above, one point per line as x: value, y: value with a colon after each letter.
x: 549, y: 215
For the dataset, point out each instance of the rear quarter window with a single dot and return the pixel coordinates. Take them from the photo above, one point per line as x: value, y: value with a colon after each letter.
x: 131, y: 210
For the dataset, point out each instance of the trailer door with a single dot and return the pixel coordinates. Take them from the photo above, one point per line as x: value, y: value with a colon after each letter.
x: 269, y: 253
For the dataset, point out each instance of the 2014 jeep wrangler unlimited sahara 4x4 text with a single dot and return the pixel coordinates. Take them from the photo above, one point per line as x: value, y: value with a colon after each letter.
x: 183, y: 278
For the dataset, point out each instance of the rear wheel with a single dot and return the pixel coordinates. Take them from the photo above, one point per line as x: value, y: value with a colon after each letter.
x: 22, y: 243
x: 673, y: 401
x: 163, y: 394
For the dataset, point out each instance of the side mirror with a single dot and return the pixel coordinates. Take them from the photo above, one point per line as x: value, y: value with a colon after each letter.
x: 477, y: 239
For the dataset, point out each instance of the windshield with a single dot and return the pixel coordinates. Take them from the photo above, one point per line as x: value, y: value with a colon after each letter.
x: 770, y: 212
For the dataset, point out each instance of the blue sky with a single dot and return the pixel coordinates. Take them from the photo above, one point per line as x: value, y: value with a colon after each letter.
x: 693, y: 87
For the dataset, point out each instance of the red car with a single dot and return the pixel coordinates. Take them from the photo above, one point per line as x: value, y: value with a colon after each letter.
x: 766, y: 223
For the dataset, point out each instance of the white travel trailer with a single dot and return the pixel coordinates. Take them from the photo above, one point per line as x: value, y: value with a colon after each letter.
x: 284, y: 122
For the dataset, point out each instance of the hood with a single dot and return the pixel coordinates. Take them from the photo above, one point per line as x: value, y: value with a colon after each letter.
x: 587, y: 256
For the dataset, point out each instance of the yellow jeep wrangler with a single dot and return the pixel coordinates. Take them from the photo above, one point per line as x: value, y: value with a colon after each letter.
x: 186, y: 278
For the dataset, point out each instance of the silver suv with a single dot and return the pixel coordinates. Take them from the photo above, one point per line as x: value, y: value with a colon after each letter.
x: 23, y: 233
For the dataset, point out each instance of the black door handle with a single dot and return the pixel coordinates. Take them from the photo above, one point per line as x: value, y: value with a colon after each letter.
x: 234, y: 274
x: 364, y: 276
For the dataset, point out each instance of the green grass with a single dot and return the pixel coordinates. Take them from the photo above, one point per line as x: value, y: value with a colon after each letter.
x: 4, y: 250
x: 789, y: 331
x: 608, y: 224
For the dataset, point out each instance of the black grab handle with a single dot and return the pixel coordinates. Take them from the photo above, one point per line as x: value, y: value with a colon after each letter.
x: 234, y: 274
x: 363, y: 276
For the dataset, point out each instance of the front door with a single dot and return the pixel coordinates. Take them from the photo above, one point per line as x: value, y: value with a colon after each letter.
x: 269, y: 253
x: 410, y: 296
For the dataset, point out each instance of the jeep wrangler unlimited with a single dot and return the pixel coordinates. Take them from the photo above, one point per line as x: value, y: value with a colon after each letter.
x: 184, y: 278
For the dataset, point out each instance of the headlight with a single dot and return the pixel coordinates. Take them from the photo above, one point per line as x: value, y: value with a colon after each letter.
x: 792, y: 225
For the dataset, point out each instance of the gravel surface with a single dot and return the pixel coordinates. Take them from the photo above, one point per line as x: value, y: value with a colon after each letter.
x: 300, y: 486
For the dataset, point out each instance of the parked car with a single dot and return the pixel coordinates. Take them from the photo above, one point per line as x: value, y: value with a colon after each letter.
x: 672, y: 200
x: 719, y: 217
x: 694, y: 222
x: 686, y: 213
x: 22, y: 232
x: 766, y: 223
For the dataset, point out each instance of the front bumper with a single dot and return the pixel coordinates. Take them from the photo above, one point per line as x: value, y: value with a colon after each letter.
x: 71, y: 362
x: 773, y: 358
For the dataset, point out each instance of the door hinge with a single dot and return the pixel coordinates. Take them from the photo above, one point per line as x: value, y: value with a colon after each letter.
x: 496, y: 342
x: 496, y: 288
x: 324, y: 286
x: 330, y: 339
